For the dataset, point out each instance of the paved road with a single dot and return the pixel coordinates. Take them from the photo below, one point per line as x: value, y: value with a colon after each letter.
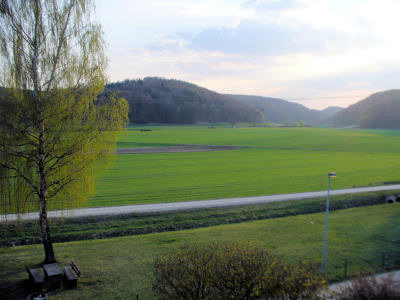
x: 395, y: 276
x: 176, y: 206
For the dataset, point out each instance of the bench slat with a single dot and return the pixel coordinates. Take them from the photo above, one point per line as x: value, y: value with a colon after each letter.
x: 75, y: 267
x: 70, y: 273
x: 34, y: 275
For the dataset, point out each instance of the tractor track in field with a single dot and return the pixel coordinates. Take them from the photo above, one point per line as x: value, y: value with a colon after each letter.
x: 176, y: 148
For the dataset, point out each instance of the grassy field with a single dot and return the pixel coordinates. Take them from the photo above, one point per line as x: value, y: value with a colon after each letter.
x: 120, y: 268
x: 276, y: 160
x: 316, y: 139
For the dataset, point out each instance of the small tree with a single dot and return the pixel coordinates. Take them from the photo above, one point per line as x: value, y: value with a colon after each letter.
x: 52, y: 127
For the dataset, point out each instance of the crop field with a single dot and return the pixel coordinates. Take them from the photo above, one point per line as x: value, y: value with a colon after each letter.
x: 120, y: 268
x: 274, y: 161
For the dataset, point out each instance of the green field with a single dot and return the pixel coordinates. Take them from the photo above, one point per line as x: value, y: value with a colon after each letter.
x: 275, y: 160
x: 120, y: 268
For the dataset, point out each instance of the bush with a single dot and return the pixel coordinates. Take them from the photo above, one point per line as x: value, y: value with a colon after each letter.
x: 285, y: 281
x: 231, y: 271
x: 369, y: 288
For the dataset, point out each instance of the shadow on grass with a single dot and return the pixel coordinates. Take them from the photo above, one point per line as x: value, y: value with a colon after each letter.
x: 14, y: 289
x: 375, y: 254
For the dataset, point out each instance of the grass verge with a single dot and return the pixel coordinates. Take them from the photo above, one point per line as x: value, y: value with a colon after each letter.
x: 13, y: 234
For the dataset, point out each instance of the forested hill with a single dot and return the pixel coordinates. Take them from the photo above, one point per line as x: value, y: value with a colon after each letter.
x: 380, y: 110
x: 158, y: 100
x: 283, y: 112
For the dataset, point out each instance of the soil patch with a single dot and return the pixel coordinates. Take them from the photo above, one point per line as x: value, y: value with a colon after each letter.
x: 177, y: 148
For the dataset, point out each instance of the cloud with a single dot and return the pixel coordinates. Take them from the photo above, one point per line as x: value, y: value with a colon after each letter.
x: 271, y: 4
x: 249, y: 37
x: 381, y: 78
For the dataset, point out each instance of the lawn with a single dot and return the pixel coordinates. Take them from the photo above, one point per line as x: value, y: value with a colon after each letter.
x: 120, y: 268
x: 276, y: 160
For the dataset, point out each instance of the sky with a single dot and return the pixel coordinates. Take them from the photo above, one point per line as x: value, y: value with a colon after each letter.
x: 317, y: 53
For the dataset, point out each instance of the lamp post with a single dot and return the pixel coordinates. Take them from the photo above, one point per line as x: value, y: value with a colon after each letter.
x: 330, y: 174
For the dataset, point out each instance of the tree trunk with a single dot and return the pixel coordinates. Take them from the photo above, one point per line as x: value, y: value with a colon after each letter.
x: 44, y: 221
x: 45, y: 229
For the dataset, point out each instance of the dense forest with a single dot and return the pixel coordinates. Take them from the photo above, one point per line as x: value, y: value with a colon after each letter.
x: 380, y: 110
x: 157, y: 100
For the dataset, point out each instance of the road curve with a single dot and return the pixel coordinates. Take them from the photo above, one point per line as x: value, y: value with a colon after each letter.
x: 176, y: 206
x: 394, y: 276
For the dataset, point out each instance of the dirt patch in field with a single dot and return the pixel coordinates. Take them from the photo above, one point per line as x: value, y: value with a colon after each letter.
x: 177, y: 148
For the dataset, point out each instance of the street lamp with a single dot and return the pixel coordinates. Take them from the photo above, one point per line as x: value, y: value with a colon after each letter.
x: 330, y: 174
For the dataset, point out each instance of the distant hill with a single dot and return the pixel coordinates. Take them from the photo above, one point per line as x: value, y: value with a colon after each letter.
x: 331, y: 111
x: 159, y: 100
x: 283, y: 112
x: 328, y: 114
x: 380, y: 110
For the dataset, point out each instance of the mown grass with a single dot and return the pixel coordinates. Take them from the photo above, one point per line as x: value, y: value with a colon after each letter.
x: 168, y: 177
x: 277, y: 160
x: 316, y: 139
x: 23, y: 233
x: 120, y: 268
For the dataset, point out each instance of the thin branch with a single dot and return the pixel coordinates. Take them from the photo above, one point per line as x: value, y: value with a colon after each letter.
x: 59, y: 46
x: 60, y: 187
x: 16, y: 154
x: 21, y: 174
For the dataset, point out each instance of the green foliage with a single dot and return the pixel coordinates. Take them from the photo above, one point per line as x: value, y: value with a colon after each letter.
x: 53, y: 129
x: 232, y: 271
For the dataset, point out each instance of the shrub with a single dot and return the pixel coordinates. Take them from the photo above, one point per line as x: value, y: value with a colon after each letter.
x: 285, y: 281
x: 369, y: 288
x: 231, y: 271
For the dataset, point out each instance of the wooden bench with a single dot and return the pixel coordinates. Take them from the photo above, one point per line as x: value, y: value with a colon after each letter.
x: 72, y: 274
x: 35, y: 277
x: 53, y: 275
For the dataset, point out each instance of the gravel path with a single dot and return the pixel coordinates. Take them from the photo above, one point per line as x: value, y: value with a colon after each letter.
x: 176, y: 206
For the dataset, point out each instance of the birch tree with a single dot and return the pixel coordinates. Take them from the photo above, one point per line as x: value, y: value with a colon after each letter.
x: 53, y: 128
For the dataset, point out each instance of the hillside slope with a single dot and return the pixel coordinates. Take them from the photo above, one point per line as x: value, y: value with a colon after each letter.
x: 160, y: 100
x: 281, y: 111
x: 380, y: 110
